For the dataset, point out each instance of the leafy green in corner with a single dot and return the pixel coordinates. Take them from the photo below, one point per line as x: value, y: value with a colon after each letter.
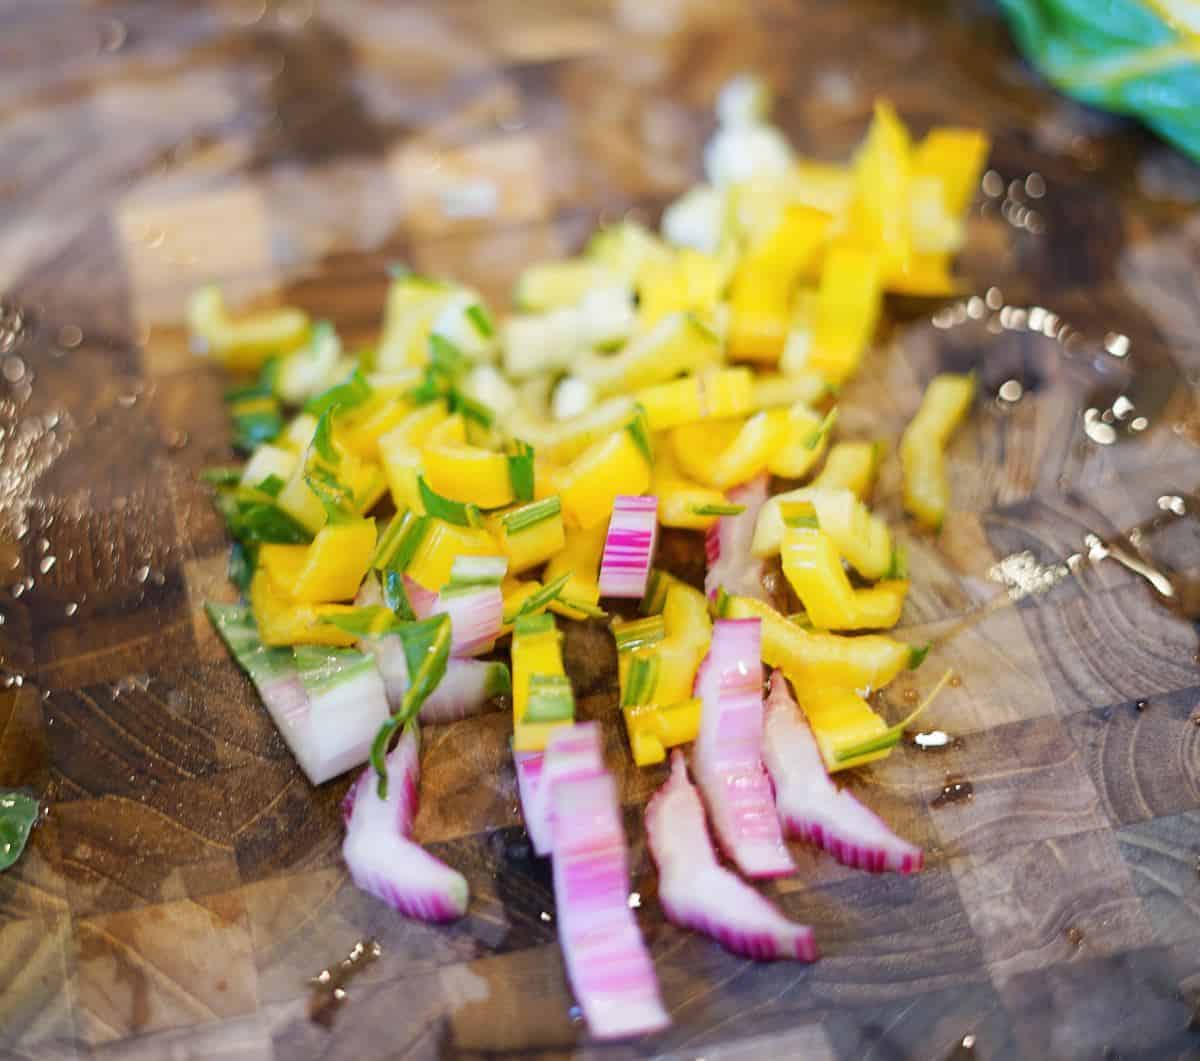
x: 18, y: 812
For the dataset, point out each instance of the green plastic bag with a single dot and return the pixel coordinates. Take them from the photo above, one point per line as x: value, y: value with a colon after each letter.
x: 1120, y: 55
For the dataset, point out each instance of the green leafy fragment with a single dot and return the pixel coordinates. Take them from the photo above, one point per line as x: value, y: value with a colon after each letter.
x: 427, y: 651
x: 18, y: 812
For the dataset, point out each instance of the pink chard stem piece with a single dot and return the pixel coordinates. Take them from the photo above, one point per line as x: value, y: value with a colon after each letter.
x: 728, y: 756
x: 812, y: 807
x: 730, y: 564
x: 696, y: 892
x: 382, y: 858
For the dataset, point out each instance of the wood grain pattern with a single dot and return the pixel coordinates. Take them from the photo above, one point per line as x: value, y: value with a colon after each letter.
x: 186, y: 882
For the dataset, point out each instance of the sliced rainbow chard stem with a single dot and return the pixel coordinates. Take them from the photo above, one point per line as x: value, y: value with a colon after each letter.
x: 571, y: 752
x: 629, y: 547
x: 729, y: 561
x: 728, y: 753
x: 813, y: 808
x: 328, y: 714
x: 468, y: 687
x: 529, y: 767
x: 379, y: 851
x: 697, y: 892
x: 476, y: 617
x: 607, y: 963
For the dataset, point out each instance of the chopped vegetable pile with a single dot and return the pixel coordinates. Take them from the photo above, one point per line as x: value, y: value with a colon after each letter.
x: 416, y: 522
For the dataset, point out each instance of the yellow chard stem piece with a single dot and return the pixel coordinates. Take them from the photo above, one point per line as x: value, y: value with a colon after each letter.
x: 245, y: 344
x: 847, y: 312
x: 852, y: 466
x: 944, y: 406
x: 761, y: 293
x: 813, y: 566
x: 819, y: 659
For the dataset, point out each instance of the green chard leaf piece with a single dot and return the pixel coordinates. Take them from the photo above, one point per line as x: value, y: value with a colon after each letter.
x: 427, y: 652
x: 255, y: 519
x: 395, y: 594
x: 639, y: 431
x: 461, y: 514
x: 1120, y: 55
x: 718, y: 510
x: 374, y: 620
x: 243, y: 559
x: 520, y: 469
x: 445, y: 357
x: 256, y: 413
x: 826, y: 425
x: 481, y: 319
x: 353, y: 392
x: 470, y: 409
x: 586, y: 608
x: 272, y: 486
x: 537, y: 601
x: 18, y: 813
x: 222, y: 475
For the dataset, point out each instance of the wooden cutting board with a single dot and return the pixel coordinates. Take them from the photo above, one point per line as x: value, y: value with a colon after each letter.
x: 185, y: 882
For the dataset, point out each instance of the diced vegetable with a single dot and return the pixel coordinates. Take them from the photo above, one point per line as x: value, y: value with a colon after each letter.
x: 243, y: 345
x: 803, y: 442
x: 852, y: 466
x: 617, y: 464
x: 466, y: 473
x: 336, y: 562
x: 846, y: 314
x: 945, y: 404
x: 607, y: 962
x: 691, y: 281
x: 379, y: 851
x: 730, y: 563
x: 879, y: 213
x: 476, y: 617
x: 861, y: 538
x: 815, y: 659
x: 536, y: 657
x: 728, y: 756
x: 696, y: 219
x: 629, y: 546
x: 657, y: 662
x: 955, y: 159
x: 530, y: 534
x: 815, y: 810
x: 724, y: 453
x: 579, y: 560
x: 308, y: 370
x: 554, y: 284
x: 326, y: 706
x: 677, y: 343
x: 683, y: 503
x: 696, y: 892
x: 740, y: 152
x: 841, y: 721
x: 268, y: 461
x: 813, y: 566
x: 19, y: 812
x: 571, y: 752
x: 762, y: 287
